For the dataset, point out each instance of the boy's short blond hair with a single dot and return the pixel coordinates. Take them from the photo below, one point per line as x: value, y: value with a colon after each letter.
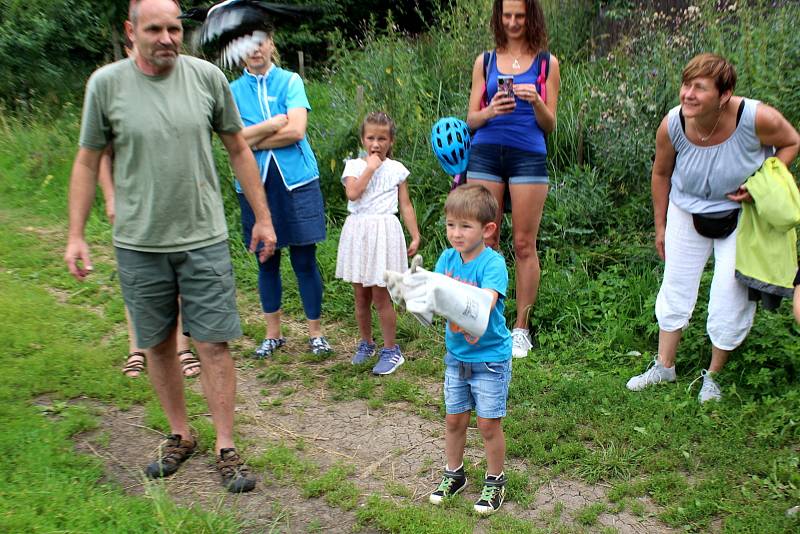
x: 472, y: 201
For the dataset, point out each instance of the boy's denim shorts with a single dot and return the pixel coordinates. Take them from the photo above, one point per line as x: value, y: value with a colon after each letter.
x: 501, y: 163
x: 485, y: 390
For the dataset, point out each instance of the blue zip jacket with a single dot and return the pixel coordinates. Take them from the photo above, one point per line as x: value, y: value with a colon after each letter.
x: 258, y: 98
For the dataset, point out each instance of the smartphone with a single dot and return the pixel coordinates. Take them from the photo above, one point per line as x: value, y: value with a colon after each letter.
x: 505, y: 83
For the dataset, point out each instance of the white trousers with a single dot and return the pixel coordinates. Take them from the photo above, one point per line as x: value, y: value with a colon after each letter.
x: 730, y: 313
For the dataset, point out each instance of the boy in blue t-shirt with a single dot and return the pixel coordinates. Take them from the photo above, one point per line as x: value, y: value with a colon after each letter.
x: 478, y: 369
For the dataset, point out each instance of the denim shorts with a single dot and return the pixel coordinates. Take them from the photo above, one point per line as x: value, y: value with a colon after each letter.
x: 203, y: 277
x: 485, y: 390
x: 501, y: 163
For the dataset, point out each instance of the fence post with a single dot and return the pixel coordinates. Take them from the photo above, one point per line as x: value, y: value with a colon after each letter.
x: 301, y: 64
x: 359, y: 96
x: 580, y: 138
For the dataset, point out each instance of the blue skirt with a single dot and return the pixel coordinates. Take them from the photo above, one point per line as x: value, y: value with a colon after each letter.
x: 298, y: 216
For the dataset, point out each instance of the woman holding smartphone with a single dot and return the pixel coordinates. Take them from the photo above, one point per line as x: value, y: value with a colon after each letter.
x: 511, y: 119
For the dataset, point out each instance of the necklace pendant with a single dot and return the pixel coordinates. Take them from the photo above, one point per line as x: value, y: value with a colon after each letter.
x: 515, y: 65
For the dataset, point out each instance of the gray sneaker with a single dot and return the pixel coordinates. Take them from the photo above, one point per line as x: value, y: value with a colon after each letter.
x: 710, y: 389
x: 364, y: 352
x: 389, y: 361
x: 655, y: 374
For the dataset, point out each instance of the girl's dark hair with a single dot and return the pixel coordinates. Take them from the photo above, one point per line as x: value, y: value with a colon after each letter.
x: 379, y: 118
x: 535, y: 25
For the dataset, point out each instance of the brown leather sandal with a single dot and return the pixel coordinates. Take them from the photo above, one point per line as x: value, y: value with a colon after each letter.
x: 171, y: 454
x: 134, y: 365
x: 189, y: 363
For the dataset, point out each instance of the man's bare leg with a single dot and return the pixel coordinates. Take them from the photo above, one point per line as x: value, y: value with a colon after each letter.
x: 167, y: 379
x: 219, y: 385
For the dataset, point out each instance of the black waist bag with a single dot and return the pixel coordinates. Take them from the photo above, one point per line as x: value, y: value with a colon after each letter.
x: 717, y: 225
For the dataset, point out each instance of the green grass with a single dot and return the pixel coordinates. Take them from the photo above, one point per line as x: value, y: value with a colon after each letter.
x: 287, y: 467
x: 43, y: 476
x: 398, y: 518
x: 658, y: 443
x: 570, y: 416
x: 589, y: 514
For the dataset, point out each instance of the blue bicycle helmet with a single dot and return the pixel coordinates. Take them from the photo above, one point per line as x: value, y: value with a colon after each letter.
x: 450, y: 140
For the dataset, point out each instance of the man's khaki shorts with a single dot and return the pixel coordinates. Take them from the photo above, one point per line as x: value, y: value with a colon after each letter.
x: 203, y: 278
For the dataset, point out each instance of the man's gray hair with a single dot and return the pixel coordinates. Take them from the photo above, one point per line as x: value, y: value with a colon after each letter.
x: 133, y: 10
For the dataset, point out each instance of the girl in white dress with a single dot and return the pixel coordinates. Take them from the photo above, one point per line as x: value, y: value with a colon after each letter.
x: 372, y: 239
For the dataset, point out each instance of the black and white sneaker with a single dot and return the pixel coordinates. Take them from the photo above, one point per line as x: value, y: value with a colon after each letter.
x: 268, y: 346
x: 320, y: 346
x: 492, y: 496
x: 452, y: 483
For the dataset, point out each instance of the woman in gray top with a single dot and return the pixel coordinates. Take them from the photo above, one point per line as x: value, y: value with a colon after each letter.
x: 706, y: 148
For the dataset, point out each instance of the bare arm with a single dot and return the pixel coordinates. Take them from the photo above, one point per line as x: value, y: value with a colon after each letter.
x: 545, y: 111
x: 774, y: 130
x: 256, y: 133
x: 244, y: 165
x: 292, y: 132
x: 495, y: 296
x: 501, y: 104
x: 409, y: 217
x: 661, y: 183
x: 354, y: 186
x: 105, y: 177
x: 797, y: 304
x: 82, y: 186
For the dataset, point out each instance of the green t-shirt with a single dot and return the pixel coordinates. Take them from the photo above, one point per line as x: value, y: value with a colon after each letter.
x: 166, y: 190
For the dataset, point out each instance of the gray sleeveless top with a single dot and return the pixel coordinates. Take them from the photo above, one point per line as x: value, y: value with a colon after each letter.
x: 704, y: 175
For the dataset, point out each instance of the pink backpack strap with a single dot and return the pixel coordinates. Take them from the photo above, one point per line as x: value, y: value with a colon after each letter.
x: 487, y: 58
x: 543, y: 58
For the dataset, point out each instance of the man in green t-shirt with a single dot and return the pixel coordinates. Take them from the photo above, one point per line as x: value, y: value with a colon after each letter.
x: 158, y: 111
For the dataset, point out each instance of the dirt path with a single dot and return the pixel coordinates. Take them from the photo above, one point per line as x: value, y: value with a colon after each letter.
x: 388, y: 448
x: 391, y: 448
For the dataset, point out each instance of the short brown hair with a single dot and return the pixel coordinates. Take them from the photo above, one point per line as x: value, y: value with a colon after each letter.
x: 711, y: 66
x: 535, y: 26
x: 472, y: 201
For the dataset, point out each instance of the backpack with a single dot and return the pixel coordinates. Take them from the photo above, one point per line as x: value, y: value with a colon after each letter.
x: 542, y: 59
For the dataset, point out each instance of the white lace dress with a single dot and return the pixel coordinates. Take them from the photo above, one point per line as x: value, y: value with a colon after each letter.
x: 372, y: 239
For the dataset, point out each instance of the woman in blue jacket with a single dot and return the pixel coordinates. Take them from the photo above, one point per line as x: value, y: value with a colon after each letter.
x: 274, y: 108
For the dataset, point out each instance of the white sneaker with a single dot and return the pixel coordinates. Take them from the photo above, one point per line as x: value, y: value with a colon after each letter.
x: 655, y: 374
x: 710, y: 389
x: 520, y: 342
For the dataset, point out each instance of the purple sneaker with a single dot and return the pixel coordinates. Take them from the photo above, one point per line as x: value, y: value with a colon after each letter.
x: 364, y: 352
x: 390, y: 360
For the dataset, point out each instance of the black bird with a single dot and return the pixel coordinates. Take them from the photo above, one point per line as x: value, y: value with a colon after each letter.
x: 235, y: 28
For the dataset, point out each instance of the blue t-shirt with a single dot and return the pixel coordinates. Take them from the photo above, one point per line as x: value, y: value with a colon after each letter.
x: 488, y: 271
x: 258, y: 98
